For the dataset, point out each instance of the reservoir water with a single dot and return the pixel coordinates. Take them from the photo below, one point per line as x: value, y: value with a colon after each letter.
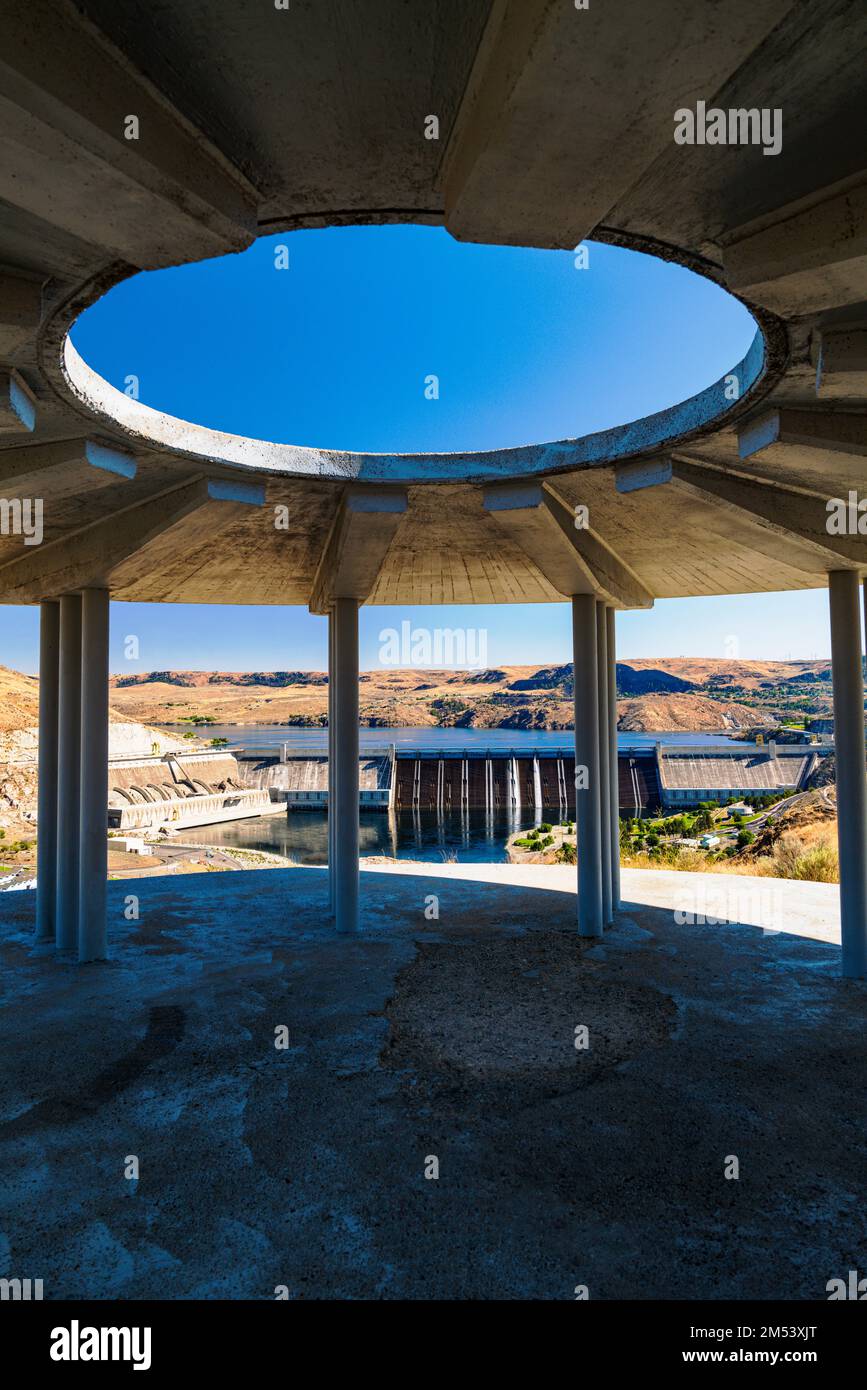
x: 269, y: 738
x: 471, y: 837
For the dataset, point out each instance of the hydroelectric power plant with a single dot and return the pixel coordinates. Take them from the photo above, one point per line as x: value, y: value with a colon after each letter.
x: 497, y: 779
x: 366, y: 1083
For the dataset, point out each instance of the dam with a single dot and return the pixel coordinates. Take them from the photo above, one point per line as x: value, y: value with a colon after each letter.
x: 664, y: 776
x: 174, y: 791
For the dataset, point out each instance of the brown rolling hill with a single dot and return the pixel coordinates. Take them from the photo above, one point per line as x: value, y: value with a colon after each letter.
x: 19, y: 717
x: 681, y: 693
x: 663, y: 694
x: 19, y: 700
x: 752, y: 675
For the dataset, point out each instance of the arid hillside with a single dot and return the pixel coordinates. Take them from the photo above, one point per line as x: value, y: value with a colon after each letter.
x: 19, y: 716
x: 655, y: 695
x: 750, y: 675
x: 668, y: 694
x: 687, y: 712
x: 19, y: 700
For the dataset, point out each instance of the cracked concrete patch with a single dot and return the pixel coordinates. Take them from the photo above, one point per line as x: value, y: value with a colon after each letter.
x: 507, y: 1010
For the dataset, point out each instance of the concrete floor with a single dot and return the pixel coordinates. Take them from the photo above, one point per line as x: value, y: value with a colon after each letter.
x: 304, y: 1167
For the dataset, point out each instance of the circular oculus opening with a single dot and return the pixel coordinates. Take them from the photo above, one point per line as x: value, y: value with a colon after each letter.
x: 397, y: 354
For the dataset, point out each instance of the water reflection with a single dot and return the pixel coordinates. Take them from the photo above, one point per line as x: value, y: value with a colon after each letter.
x: 468, y: 836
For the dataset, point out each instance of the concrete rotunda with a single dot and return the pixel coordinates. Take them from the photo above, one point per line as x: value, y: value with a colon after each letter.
x: 554, y: 125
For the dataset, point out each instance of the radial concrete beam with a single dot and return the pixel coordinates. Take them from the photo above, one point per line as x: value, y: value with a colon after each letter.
x: 791, y: 521
x: 81, y: 465
x: 812, y: 443
x: 17, y: 404
x: 547, y: 139
x: 642, y: 473
x: 140, y: 537
x: 841, y: 362
x: 805, y: 260
x: 570, y: 555
x: 91, y: 147
x: 364, y: 527
x: 20, y: 309
x: 811, y: 430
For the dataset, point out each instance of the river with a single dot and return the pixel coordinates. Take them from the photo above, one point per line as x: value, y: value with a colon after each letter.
x: 268, y: 738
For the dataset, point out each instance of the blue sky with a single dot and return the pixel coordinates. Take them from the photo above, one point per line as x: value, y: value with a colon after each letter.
x: 334, y: 351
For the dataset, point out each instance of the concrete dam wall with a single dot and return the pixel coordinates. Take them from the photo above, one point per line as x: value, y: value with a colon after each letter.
x: 302, y: 782
x: 311, y: 774
x: 650, y: 778
x: 486, y: 783
x: 175, y: 791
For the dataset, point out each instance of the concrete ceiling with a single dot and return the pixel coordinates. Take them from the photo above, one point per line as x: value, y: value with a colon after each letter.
x: 555, y: 125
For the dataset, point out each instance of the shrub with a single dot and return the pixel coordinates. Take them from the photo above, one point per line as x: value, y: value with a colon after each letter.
x: 820, y: 864
x: 817, y: 865
x: 544, y: 827
x: 787, y: 852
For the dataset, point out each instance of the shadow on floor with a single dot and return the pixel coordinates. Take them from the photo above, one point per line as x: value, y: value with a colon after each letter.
x: 450, y: 1038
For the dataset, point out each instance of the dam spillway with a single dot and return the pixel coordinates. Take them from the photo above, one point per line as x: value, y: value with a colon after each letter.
x: 650, y: 778
x: 486, y: 781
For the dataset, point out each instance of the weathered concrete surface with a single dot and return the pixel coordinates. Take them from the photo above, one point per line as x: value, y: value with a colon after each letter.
x: 553, y: 124
x: 453, y: 1038
x: 614, y: 131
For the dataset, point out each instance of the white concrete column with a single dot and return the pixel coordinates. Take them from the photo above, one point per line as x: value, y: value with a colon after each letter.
x: 68, y: 772
x: 613, y: 775
x: 346, y: 763
x: 851, y: 777
x: 332, y: 809
x: 46, y: 826
x: 604, y: 753
x: 93, y: 869
x: 587, y: 803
